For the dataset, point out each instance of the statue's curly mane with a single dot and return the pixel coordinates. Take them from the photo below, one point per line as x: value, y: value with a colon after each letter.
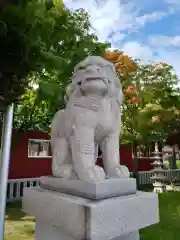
x: 73, y: 89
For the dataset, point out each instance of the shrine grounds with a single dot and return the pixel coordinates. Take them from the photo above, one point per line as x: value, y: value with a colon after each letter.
x: 20, y: 226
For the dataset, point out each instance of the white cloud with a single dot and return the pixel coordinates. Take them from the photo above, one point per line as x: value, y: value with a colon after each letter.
x: 165, y: 41
x: 137, y: 50
x: 171, y: 59
x: 150, y: 17
x: 117, y: 37
x: 113, y: 17
x: 168, y: 49
x: 173, y: 2
x: 147, y: 53
x: 107, y: 18
x: 173, y: 5
x: 113, y: 20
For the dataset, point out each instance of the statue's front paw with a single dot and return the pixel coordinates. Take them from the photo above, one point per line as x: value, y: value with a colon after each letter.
x: 119, y: 172
x: 62, y: 171
x: 93, y: 174
x: 99, y: 174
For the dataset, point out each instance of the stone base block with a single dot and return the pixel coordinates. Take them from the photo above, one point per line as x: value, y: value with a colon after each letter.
x: 93, y: 190
x: 63, y: 216
x: 46, y: 232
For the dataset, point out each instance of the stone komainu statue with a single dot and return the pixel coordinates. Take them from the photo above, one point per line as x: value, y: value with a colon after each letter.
x: 90, y: 120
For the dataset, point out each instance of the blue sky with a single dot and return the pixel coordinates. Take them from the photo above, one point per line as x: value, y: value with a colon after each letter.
x: 144, y: 29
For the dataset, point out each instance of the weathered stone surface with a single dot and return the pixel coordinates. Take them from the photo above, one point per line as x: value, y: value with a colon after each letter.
x: 76, y: 218
x: 91, y: 118
x: 46, y: 232
x: 92, y: 190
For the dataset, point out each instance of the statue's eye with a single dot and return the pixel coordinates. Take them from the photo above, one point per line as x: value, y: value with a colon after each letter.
x: 82, y: 68
x: 79, y: 83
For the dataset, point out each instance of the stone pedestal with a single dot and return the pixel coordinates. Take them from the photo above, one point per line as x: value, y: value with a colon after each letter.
x: 62, y: 216
x: 114, y: 187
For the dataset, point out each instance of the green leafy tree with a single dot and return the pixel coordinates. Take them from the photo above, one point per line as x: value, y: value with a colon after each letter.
x: 33, y: 36
x: 151, y: 102
x: 69, y: 42
x: 22, y: 49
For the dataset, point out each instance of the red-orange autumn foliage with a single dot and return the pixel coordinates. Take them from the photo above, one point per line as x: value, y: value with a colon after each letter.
x: 131, y: 89
x: 134, y: 100
x: 123, y: 63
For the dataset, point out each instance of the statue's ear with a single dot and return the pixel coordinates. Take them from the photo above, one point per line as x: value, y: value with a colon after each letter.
x: 119, y: 97
x: 115, y: 90
x: 119, y: 93
x: 73, y: 90
x: 78, y: 92
x: 69, y: 90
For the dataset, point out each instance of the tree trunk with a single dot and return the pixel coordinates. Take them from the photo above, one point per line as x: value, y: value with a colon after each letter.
x: 173, y: 160
x: 152, y: 148
x: 135, y: 164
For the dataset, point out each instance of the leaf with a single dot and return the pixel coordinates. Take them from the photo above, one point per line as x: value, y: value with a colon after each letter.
x: 157, y: 88
x: 55, y: 40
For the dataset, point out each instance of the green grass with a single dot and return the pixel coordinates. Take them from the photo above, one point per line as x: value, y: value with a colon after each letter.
x: 20, y: 226
x: 169, y: 226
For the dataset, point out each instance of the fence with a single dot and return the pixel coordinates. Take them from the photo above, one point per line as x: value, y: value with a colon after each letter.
x: 16, y: 186
x: 145, y: 177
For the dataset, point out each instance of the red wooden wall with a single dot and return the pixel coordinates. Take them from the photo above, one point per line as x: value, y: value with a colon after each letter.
x: 20, y: 165
x: 23, y: 167
x: 145, y: 164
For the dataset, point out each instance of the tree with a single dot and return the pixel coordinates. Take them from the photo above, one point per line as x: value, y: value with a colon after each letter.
x: 151, y: 102
x: 71, y: 43
x: 20, y: 49
x: 173, y: 137
x: 123, y: 63
x: 32, y: 36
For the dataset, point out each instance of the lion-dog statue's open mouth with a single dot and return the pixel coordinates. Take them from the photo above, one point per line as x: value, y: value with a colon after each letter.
x: 91, y: 119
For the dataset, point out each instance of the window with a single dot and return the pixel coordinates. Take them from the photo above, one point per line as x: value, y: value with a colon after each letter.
x: 39, y: 148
